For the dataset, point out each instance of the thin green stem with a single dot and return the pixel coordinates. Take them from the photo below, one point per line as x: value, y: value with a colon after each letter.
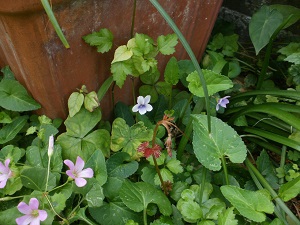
x: 282, y: 162
x: 155, y: 161
x: 265, y: 65
x: 274, y: 195
x: 10, y: 198
x: 48, y: 173
x: 145, y: 216
x: 51, y: 206
x: 202, y: 186
x: 225, y: 170
x: 59, y: 186
x: 75, y: 208
x: 133, y: 19
x: 191, y: 55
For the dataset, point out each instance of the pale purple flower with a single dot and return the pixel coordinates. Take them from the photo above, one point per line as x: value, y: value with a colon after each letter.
x: 51, y: 146
x: 76, y: 171
x: 222, y: 102
x: 142, y: 105
x: 33, y: 215
x: 5, y: 173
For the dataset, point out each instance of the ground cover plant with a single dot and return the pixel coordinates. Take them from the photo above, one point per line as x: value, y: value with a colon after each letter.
x: 217, y: 145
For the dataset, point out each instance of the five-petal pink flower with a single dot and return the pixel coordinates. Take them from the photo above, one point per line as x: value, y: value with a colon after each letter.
x: 142, y: 105
x: 33, y: 215
x: 5, y: 173
x: 76, y: 171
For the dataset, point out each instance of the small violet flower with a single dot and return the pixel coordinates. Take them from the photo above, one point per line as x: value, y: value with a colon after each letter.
x: 76, y: 171
x: 51, y: 146
x: 33, y: 215
x: 222, y: 102
x: 5, y: 173
x: 142, y: 105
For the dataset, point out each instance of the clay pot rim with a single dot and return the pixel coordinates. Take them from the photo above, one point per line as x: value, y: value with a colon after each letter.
x: 23, y: 7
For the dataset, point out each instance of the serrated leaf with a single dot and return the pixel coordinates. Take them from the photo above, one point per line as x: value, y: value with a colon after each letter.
x: 223, y: 141
x: 263, y: 25
x: 290, y: 189
x: 174, y: 166
x: 172, y: 71
x: 251, y: 204
x: 214, y: 82
x: 122, y: 53
x: 150, y: 77
x: 128, y: 138
x: 137, y: 196
x: 75, y: 102
x: 120, y: 70
x: 166, y: 44
x: 227, y: 217
x: 118, y: 167
x: 14, y: 97
x: 166, y: 176
x: 102, y: 40
x: 8, y: 132
x: 293, y: 58
x: 190, y: 211
x: 144, y: 44
x: 91, y: 101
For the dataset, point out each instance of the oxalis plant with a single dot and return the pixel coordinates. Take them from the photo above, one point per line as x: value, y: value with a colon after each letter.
x: 175, y: 156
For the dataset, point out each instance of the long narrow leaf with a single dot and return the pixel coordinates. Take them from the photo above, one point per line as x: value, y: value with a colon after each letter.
x: 54, y: 22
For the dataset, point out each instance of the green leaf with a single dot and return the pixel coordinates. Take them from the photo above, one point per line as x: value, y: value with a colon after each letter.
x: 75, y: 102
x: 290, y: 189
x: 175, y: 166
x: 223, y: 141
x: 15, y: 97
x: 122, y: 53
x: 9, y: 132
x: 145, y: 90
x: 8, y: 74
x: 166, y: 176
x: 82, y: 123
x: 251, y: 204
x: 114, y: 213
x: 172, y: 71
x: 291, y: 48
x: 97, y: 163
x: 12, y: 152
x: 190, y: 210
x: 293, y: 58
x: 84, y: 147
x: 287, y: 11
x: 120, y: 70
x: 215, y: 83
x: 128, y: 138
x: 35, y: 178
x: 5, y: 118
x: 103, y: 40
x: 227, y: 217
x: 166, y: 44
x: 262, y: 26
x: 144, y: 44
x: 265, y: 166
x: 123, y: 111
x: 150, y: 77
x: 91, y: 101
x: 117, y: 166
x: 95, y: 196
x: 137, y: 196
x: 164, y: 88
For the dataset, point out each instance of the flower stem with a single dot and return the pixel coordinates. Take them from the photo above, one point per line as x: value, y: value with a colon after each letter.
x: 155, y: 162
x: 10, y: 198
x: 145, y: 216
x: 48, y: 173
x: 225, y: 170
x: 53, y: 208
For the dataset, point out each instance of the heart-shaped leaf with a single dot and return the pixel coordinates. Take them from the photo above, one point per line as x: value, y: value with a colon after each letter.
x: 137, y: 196
x: 251, y: 204
x: 222, y: 141
x: 214, y: 82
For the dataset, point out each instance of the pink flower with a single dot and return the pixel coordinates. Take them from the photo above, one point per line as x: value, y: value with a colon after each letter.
x: 33, y: 215
x: 76, y: 171
x: 222, y: 102
x: 142, y: 105
x: 5, y: 173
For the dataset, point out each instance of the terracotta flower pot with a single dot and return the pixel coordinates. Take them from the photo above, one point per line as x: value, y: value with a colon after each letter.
x: 30, y: 46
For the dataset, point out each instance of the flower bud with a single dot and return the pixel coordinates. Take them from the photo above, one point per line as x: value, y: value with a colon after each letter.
x: 51, y: 146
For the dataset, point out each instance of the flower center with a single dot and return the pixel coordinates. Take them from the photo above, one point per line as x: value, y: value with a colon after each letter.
x: 35, y: 213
